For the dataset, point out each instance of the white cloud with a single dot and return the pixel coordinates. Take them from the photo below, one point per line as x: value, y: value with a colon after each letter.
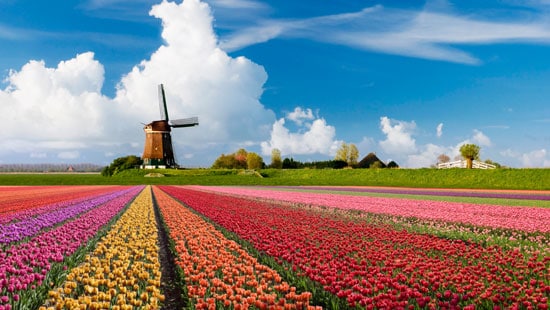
x: 46, y: 110
x: 422, y: 34
x: 69, y: 155
x: 439, y: 130
x: 427, y: 156
x: 537, y: 158
x: 313, y: 138
x: 299, y: 115
x: 481, y: 138
x: 398, y: 136
x: 534, y: 159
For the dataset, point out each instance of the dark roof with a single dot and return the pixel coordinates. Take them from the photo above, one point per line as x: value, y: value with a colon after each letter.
x: 368, y: 160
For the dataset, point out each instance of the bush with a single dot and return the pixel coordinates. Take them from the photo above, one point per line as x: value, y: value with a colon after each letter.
x: 121, y: 164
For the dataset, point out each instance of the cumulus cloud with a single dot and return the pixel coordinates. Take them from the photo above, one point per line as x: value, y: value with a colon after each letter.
x: 299, y: 115
x: 427, y: 156
x: 533, y: 159
x: 316, y: 137
x: 480, y: 138
x: 63, y: 107
x: 537, y: 158
x: 439, y: 130
x: 398, y: 136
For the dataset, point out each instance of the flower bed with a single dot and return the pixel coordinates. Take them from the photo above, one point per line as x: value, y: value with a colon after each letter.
x: 123, y: 271
x: 15, y: 231
x: 18, y: 203
x: 25, y: 265
x: 374, y: 265
x: 519, y: 218
x: 218, y: 272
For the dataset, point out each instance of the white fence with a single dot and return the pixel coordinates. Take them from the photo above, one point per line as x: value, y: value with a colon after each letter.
x: 462, y: 164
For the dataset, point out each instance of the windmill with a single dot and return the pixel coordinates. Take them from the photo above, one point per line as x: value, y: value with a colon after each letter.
x: 158, y: 151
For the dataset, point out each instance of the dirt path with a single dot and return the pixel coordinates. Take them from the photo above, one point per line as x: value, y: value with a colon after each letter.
x: 171, y: 285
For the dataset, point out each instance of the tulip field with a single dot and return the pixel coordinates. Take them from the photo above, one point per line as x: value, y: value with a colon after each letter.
x: 101, y: 247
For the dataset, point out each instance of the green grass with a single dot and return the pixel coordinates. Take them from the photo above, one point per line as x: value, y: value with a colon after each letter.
x: 531, y: 179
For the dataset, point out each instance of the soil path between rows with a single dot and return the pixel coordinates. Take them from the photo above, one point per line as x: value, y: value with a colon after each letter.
x: 170, y: 282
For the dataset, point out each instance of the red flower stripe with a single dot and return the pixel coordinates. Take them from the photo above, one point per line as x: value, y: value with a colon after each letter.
x: 529, y: 219
x: 218, y: 271
x: 20, y: 203
x: 376, y: 266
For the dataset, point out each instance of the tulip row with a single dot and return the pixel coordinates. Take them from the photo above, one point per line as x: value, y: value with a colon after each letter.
x: 123, y: 271
x: 218, y: 272
x: 527, y: 219
x: 374, y: 265
x: 30, y: 226
x: 20, y: 203
x: 511, y: 194
x: 25, y: 265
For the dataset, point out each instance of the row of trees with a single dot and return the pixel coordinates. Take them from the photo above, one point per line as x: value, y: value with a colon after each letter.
x: 241, y: 159
x: 346, y: 156
x: 49, y: 167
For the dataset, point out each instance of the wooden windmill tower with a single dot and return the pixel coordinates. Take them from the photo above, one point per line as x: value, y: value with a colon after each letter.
x: 158, y: 151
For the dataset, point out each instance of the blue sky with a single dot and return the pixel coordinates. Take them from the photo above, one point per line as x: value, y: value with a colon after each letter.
x: 408, y: 80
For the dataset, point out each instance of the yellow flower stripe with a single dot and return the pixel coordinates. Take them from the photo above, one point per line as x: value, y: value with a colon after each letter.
x: 124, y: 270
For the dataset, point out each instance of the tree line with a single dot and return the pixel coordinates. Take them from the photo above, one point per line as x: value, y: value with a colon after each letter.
x: 347, y: 156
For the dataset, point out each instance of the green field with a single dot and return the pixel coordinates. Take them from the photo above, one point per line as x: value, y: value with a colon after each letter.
x: 525, y: 179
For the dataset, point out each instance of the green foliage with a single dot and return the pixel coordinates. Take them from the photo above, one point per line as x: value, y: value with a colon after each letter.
x: 121, y: 164
x: 490, y: 162
x: 225, y: 162
x: 347, y: 153
x: 254, y: 161
x: 532, y: 179
x: 470, y: 151
x: 276, y: 161
x: 393, y: 164
x: 290, y: 163
x: 239, y: 160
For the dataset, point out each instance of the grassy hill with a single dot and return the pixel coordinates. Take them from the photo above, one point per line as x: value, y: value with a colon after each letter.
x: 533, y: 179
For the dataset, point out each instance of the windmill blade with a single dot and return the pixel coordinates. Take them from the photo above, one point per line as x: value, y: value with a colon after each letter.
x: 162, y: 104
x: 185, y: 122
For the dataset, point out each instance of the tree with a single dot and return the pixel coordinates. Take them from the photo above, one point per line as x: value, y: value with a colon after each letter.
x: 348, y: 153
x: 276, y: 161
x: 443, y: 159
x: 342, y: 152
x: 469, y: 152
x: 254, y: 161
x: 494, y: 163
x: 240, y: 157
x: 393, y: 164
x: 353, y: 155
x: 120, y: 164
x: 225, y: 162
x: 290, y: 163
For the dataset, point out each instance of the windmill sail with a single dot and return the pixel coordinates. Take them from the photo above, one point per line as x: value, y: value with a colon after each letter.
x: 162, y: 104
x: 184, y: 122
